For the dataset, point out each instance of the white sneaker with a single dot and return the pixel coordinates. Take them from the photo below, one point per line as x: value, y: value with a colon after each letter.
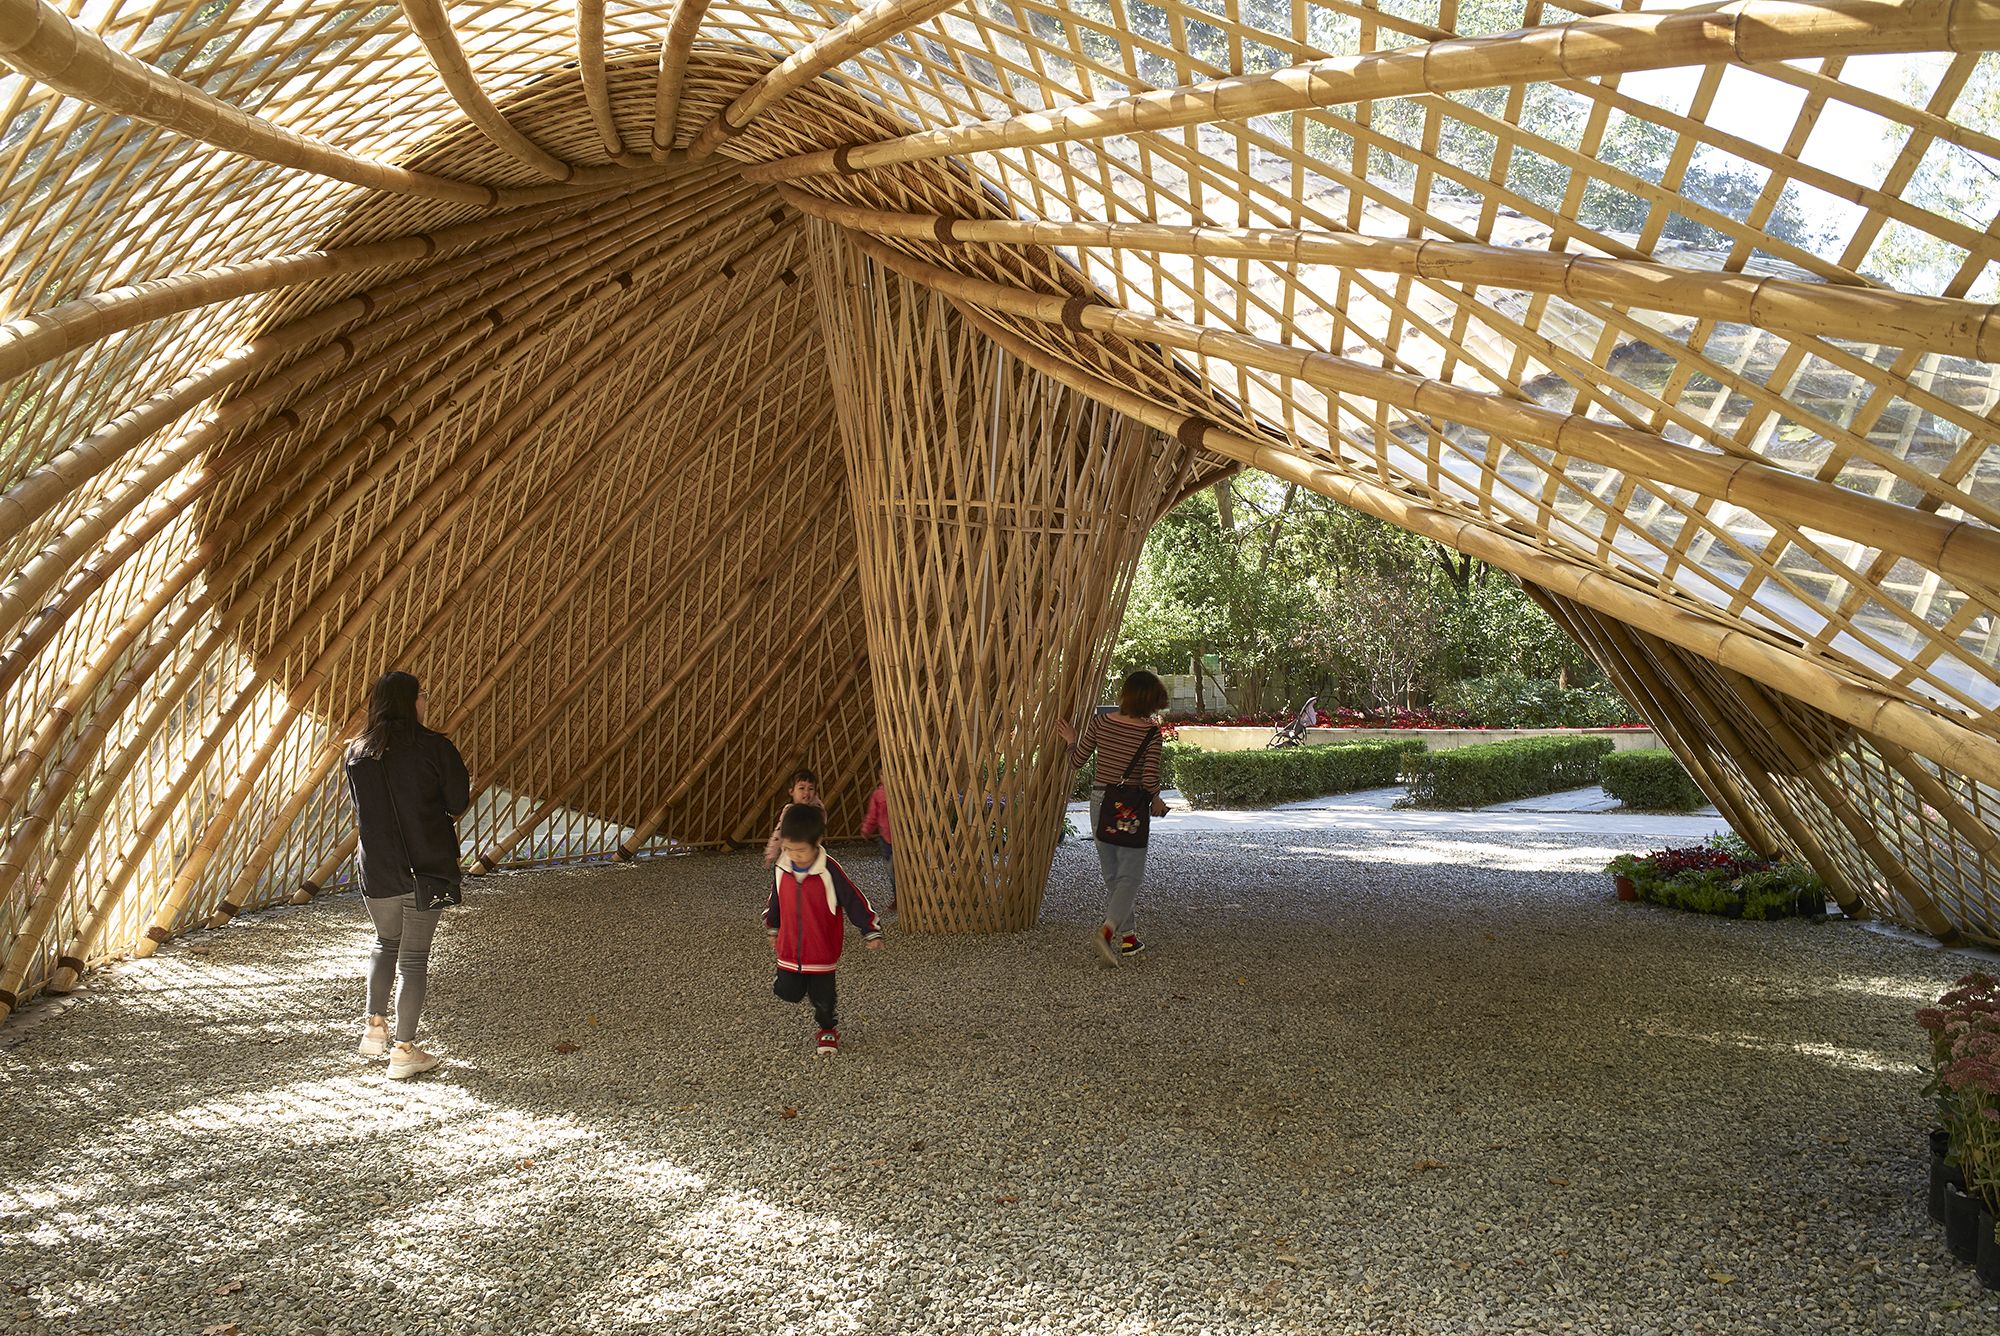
x: 374, y: 1037
x: 407, y: 1060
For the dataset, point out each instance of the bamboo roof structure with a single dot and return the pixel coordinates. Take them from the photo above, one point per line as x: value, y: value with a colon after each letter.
x: 499, y: 342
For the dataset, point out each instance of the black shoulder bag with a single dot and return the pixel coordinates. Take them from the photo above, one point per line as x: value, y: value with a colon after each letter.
x: 433, y: 891
x: 1125, y: 817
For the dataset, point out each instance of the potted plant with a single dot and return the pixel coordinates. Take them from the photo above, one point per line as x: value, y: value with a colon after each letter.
x: 1964, y: 1031
x: 1625, y: 871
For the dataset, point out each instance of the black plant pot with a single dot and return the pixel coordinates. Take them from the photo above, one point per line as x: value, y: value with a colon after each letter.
x: 1986, y: 1263
x: 1942, y: 1173
x: 1961, y: 1223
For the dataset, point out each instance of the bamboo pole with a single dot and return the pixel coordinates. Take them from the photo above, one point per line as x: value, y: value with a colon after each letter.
x: 1852, y: 898
x: 591, y: 73
x: 1780, y: 730
x: 1942, y: 739
x: 497, y: 853
x: 43, y: 336
x: 44, y: 488
x: 118, y: 881
x: 236, y: 896
x: 867, y: 27
x: 1748, y: 33
x: 756, y: 699
x: 1663, y: 711
x: 432, y: 25
x: 1820, y: 310
x: 1967, y: 552
x: 41, y: 42
x: 674, y: 51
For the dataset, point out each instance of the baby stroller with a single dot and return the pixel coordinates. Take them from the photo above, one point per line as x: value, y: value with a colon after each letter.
x: 1292, y: 732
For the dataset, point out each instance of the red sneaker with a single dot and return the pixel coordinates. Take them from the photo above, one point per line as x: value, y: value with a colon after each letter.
x: 829, y: 1042
x: 1106, y: 945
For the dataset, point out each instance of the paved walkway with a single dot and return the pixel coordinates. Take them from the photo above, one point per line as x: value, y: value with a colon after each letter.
x: 1588, y: 811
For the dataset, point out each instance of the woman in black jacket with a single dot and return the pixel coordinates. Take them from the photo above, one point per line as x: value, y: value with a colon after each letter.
x: 409, y: 787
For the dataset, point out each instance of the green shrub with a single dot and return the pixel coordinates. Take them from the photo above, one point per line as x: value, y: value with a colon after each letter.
x: 1511, y: 700
x: 1650, y: 778
x: 1262, y: 778
x: 1494, y: 772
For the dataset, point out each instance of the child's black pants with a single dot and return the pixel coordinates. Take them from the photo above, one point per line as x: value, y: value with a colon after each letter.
x: 793, y: 985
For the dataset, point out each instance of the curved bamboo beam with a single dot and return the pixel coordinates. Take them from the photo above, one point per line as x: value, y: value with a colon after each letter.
x: 1966, y: 552
x: 1752, y: 32
x: 1780, y: 730
x: 233, y: 898
x: 431, y: 23
x: 118, y: 882
x: 42, y: 336
x: 48, y: 485
x: 497, y: 853
x: 1851, y: 898
x: 865, y: 28
x: 674, y: 52
x: 1822, y: 310
x: 595, y: 356
x: 758, y: 696
x: 42, y: 43
x: 1942, y: 739
x: 590, y: 70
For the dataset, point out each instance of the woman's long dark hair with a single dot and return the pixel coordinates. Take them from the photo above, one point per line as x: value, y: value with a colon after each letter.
x: 392, y: 716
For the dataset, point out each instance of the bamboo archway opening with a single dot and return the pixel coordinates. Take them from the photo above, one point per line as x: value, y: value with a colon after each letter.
x: 500, y: 343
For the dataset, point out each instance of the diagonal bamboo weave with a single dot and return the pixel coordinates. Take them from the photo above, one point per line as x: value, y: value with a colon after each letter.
x: 627, y: 371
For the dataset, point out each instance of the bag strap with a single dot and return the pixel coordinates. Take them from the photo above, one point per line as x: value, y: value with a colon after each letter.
x: 1139, y: 756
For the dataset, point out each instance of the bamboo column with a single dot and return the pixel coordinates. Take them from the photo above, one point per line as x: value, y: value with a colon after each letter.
x: 998, y: 517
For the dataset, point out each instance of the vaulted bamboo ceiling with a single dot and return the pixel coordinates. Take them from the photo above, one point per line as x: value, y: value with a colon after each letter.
x: 482, y: 341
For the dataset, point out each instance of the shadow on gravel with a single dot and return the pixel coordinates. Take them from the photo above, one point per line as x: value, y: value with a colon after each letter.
x: 1435, y: 1086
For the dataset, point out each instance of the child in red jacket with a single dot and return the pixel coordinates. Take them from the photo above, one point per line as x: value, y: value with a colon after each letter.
x: 803, y: 918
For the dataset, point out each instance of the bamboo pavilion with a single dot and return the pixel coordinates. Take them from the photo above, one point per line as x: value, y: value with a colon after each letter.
x: 687, y: 391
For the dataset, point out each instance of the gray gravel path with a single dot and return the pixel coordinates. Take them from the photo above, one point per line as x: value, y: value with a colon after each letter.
x: 1397, y: 1079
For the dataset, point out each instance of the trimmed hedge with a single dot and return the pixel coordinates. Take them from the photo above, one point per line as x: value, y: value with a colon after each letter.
x: 1261, y: 778
x: 1651, y: 778
x: 1494, y: 772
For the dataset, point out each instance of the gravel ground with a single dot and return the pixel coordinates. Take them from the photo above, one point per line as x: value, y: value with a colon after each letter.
x: 1434, y: 1082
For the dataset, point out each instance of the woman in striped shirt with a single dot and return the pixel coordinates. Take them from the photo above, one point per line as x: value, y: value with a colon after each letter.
x: 1119, y: 740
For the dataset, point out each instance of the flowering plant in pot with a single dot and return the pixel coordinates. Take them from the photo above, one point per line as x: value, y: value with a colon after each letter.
x: 1964, y: 1030
x: 1724, y: 876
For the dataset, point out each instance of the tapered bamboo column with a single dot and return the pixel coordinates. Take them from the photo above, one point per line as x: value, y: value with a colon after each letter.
x: 998, y: 517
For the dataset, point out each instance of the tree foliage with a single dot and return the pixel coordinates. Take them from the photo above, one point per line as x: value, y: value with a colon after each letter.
x: 1285, y: 594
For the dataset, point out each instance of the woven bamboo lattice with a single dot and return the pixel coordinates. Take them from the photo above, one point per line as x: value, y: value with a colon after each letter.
x: 499, y: 342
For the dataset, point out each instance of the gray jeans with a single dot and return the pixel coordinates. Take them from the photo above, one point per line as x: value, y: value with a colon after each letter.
x: 1123, y: 870
x: 402, y: 953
